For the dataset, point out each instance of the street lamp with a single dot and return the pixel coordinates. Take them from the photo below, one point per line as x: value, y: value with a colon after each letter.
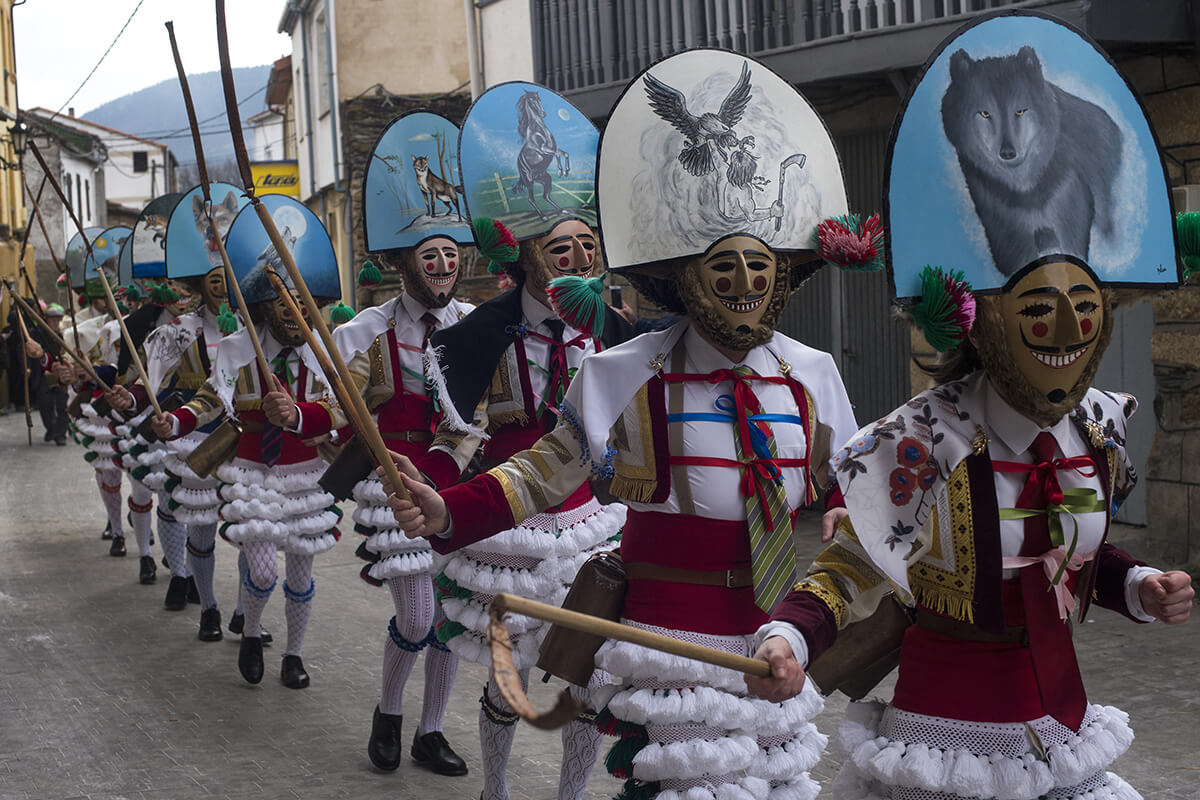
x: 20, y: 135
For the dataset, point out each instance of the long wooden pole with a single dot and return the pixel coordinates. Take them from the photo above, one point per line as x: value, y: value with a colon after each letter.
x: 62, y: 270
x: 25, y: 375
x: 197, y: 143
x: 504, y: 603
x: 151, y: 391
x: 358, y: 413
x: 25, y: 242
x: 87, y: 366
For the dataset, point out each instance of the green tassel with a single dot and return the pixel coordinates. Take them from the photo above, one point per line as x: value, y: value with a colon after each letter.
x: 445, y: 586
x: 369, y: 275
x: 495, y: 242
x: 619, y: 761
x: 227, y: 321
x: 579, y: 302
x: 946, y: 310
x: 1187, y: 233
x: 637, y: 790
x: 172, y: 482
x: 341, y: 313
x: 161, y: 294
x: 90, y: 456
x: 449, y: 629
x: 133, y: 293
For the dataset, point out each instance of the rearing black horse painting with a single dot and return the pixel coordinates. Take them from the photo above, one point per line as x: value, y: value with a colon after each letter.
x: 538, y: 151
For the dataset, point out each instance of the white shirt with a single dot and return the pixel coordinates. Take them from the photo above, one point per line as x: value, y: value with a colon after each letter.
x: 534, y: 316
x: 410, y: 330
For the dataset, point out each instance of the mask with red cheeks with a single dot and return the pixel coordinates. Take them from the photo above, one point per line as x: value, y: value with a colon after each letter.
x: 430, y: 270
x: 568, y: 249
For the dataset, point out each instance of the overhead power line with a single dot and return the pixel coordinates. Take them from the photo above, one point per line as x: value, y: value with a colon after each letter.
x: 107, y: 50
x: 168, y: 133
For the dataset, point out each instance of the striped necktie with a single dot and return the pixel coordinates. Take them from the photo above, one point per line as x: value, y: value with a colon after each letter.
x: 768, y: 517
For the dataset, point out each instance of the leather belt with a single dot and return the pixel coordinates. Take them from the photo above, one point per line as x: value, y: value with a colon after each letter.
x: 408, y: 436
x: 729, y: 578
x: 957, y: 629
x: 253, y: 426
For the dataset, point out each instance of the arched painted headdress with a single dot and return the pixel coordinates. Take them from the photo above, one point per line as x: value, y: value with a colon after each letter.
x: 251, y: 251
x: 411, y: 188
x: 527, y: 159
x: 189, y: 251
x: 106, y: 252
x: 706, y: 144
x: 144, y: 253
x: 1022, y: 142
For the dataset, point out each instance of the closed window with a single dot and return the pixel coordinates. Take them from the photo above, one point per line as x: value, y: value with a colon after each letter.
x: 87, y: 199
x: 140, y: 161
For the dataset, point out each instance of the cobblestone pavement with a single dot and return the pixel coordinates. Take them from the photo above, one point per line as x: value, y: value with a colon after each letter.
x: 105, y: 695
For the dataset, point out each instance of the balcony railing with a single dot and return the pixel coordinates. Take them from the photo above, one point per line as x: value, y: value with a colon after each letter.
x: 579, y: 44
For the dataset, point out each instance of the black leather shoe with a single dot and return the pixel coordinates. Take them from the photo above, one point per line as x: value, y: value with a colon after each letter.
x: 292, y: 673
x: 146, y: 574
x: 210, y: 625
x: 433, y: 751
x: 176, y: 599
x: 238, y: 621
x: 60, y: 442
x: 250, y: 662
x: 385, y: 747
x: 193, y: 594
x: 107, y: 532
x: 117, y: 548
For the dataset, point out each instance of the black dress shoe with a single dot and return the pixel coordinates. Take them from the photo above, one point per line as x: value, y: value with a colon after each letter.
x: 60, y: 442
x: 385, y: 747
x: 193, y: 594
x: 238, y: 621
x: 433, y: 751
x: 250, y: 662
x: 47, y: 436
x: 146, y: 574
x: 210, y: 625
x: 107, y: 532
x: 292, y: 674
x: 117, y: 548
x: 176, y: 599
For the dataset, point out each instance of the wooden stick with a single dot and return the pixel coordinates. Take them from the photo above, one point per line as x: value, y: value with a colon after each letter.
x: 503, y: 603
x: 365, y: 427
x: 25, y: 369
x: 25, y: 243
x: 151, y: 391
x: 198, y: 146
x: 87, y: 366
x: 62, y: 270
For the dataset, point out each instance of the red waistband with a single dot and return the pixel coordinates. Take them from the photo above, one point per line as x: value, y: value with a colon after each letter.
x: 292, y: 450
x: 693, y: 543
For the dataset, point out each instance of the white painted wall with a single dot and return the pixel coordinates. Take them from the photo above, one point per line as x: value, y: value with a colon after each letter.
x: 80, y: 177
x: 506, y: 38
x: 266, y: 142
x: 312, y: 53
x: 123, y: 184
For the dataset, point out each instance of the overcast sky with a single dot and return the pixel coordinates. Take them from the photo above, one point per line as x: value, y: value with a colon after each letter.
x: 59, y: 41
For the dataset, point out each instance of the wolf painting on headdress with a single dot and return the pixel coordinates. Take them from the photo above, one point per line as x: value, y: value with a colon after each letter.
x: 222, y: 214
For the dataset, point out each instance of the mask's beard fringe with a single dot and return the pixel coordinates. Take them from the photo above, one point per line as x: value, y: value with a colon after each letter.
x: 712, y: 320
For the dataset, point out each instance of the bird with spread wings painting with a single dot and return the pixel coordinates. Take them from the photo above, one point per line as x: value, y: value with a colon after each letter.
x: 706, y: 132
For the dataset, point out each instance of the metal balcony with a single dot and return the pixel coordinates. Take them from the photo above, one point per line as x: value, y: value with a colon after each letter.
x: 589, y: 49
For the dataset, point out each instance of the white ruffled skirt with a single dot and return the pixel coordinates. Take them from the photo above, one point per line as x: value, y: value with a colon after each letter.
x: 194, y: 500
x: 97, y: 436
x: 899, y: 755
x: 689, y: 731
x: 145, y: 462
x: 282, y: 505
x: 391, y: 553
x: 537, y: 559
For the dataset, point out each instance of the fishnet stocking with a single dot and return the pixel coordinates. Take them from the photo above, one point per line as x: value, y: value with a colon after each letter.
x: 243, y: 568
x: 581, y: 745
x: 109, y: 482
x: 298, y: 590
x: 202, y: 560
x: 262, y: 570
x: 413, y: 597
x: 441, y: 666
x: 496, y: 742
x: 141, y: 504
x: 173, y: 535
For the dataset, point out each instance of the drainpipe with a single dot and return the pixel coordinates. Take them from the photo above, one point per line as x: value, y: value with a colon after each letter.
x: 308, y: 109
x: 338, y: 185
x: 473, y: 49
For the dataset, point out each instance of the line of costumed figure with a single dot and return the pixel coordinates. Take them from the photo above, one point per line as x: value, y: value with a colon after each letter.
x: 641, y: 483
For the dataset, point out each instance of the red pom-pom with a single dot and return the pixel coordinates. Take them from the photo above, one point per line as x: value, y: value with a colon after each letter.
x: 504, y: 233
x: 850, y: 243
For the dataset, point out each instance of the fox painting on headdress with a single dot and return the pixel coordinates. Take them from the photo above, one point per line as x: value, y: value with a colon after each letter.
x: 222, y: 214
x: 1017, y: 137
x: 434, y: 188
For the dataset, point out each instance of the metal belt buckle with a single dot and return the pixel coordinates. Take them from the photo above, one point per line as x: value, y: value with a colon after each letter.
x: 729, y: 579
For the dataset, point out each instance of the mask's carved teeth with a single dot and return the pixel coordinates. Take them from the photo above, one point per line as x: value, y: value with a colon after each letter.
x: 440, y: 280
x: 744, y: 307
x: 1059, y: 361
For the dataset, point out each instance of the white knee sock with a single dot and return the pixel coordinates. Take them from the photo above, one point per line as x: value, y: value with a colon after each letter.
x: 109, y: 482
x: 243, y: 567
x: 141, y: 507
x: 298, y: 590
x: 258, y: 582
x: 581, y: 745
x: 201, y: 553
x: 408, y: 632
x: 173, y: 535
x: 440, y: 668
x: 496, y: 738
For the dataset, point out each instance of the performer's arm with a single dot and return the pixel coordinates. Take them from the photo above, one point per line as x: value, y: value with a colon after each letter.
x: 204, y: 407
x: 452, y: 450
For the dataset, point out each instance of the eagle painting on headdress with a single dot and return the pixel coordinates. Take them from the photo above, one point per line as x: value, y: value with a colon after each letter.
x: 706, y: 131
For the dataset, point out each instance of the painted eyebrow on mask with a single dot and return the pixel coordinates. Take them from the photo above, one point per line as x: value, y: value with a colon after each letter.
x: 1079, y: 287
x: 568, y: 238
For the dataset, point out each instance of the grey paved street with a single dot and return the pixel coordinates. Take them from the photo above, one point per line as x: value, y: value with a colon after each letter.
x: 104, y: 694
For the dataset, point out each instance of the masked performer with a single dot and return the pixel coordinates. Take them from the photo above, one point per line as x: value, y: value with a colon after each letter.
x: 985, y: 502
x: 384, y: 347
x: 707, y: 429
x: 269, y: 495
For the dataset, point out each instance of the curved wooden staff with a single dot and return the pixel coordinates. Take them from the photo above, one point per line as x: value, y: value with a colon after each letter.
x: 567, y: 708
x: 25, y: 242
x: 87, y: 366
x: 62, y: 270
x: 357, y: 411
x: 25, y: 369
x: 133, y: 351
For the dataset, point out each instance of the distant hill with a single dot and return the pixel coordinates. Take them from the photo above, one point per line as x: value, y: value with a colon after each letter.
x: 157, y: 112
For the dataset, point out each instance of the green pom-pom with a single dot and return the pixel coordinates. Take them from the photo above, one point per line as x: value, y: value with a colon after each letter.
x: 495, y: 242
x: 635, y: 789
x: 162, y: 294
x: 341, y: 313
x: 579, y: 302
x: 449, y: 629
x: 619, y: 761
x: 133, y: 293
x: 227, y: 321
x: 946, y: 310
x: 369, y: 275
x: 1187, y: 233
